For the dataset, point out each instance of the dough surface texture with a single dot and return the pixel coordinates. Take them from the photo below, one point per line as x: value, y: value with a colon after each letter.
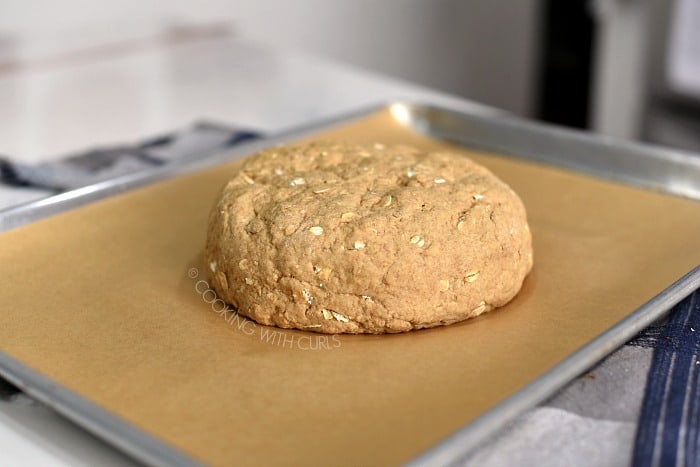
x: 340, y: 238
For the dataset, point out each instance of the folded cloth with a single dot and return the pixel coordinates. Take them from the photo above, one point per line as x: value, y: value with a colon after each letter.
x: 669, y: 423
x: 22, y: 182
x: 7, y: 390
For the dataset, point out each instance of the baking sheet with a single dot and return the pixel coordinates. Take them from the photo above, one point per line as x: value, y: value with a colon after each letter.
x: 105, y: 303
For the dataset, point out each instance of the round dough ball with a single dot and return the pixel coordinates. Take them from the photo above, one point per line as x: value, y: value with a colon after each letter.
x: 339, y: 238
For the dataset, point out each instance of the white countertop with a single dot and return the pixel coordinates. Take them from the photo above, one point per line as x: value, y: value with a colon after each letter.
x: 52, y: 107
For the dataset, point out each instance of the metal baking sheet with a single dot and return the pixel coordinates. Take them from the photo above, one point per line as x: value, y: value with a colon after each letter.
x: 121, y: 329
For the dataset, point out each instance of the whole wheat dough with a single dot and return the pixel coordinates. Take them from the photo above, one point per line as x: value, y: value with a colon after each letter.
x: 340, y: 238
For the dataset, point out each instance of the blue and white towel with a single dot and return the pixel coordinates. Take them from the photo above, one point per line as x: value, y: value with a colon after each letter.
x: 668, y: 432
x: 21, y: 182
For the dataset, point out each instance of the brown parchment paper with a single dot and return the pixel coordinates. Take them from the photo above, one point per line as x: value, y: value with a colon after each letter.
x: 101, y: 300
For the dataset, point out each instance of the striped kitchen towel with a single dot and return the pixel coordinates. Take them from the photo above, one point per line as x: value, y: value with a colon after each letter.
x: 668, y: 433
x: 23, y: 182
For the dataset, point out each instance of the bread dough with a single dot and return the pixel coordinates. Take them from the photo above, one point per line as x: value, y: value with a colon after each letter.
x: 340, y: 238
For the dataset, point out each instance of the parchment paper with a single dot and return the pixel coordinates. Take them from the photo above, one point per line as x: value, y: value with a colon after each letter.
x: 103, y: 300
